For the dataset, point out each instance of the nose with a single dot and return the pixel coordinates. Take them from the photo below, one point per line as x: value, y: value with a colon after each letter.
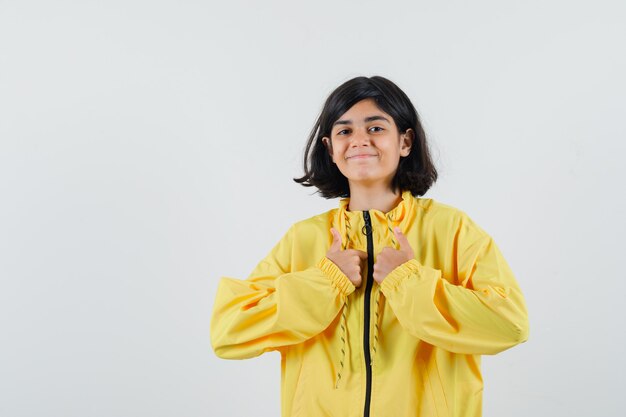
x: 360, y: 137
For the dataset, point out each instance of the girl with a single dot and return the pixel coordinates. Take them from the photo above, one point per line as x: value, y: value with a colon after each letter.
x: 382, y: 306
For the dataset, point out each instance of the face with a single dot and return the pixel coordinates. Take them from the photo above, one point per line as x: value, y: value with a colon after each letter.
x: 366, y: 145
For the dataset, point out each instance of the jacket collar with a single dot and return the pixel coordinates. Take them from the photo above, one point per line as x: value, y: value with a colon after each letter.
x: 349, y: 223
x: 396, y: 213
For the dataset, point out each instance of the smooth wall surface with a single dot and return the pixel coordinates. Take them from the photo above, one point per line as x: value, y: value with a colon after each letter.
x: 147, y: 148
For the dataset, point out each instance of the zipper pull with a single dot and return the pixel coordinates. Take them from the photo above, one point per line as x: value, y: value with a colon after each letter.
x: 367, y: 227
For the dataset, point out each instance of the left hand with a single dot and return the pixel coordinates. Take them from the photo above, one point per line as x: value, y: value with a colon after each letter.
x: 389, y: 259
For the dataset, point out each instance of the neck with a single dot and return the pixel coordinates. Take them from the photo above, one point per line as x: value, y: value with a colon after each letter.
x: 383, y: 199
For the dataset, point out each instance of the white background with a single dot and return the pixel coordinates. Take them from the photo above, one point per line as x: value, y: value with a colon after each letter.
x: 147, y: 148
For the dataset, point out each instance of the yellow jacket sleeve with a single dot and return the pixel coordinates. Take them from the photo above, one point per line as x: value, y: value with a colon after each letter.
x: 276, y: 306
x: 484, y: 314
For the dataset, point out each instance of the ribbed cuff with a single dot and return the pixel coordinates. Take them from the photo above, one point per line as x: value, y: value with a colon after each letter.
x: 338, y: 279
x: 399, y: 274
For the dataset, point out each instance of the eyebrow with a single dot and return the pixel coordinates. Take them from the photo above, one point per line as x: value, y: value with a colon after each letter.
x: 367, y: 119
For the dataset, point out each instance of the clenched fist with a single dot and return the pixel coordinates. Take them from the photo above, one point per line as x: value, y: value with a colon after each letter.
x: 388, y: 258
x: 349, y: 260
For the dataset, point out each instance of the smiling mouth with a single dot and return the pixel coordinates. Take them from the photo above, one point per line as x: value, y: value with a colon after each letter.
x: 360, y: 157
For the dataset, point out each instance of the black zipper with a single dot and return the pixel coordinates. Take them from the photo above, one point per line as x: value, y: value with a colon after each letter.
x: 367, y: 230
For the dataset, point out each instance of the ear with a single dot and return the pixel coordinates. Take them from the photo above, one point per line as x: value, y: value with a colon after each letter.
x: 329, y: 146
x: 407, y: 142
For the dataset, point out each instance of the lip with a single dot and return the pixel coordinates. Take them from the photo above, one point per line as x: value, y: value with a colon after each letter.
x: 361, y: 156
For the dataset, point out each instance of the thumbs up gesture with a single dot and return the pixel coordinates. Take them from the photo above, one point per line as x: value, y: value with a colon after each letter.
x: 349, y: 260
x: 388, y: 259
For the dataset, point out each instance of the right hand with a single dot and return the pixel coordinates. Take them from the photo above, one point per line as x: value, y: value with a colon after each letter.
x: 349, y: 260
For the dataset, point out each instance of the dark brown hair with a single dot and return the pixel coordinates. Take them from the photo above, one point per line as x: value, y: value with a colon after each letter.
x: 416, y: 171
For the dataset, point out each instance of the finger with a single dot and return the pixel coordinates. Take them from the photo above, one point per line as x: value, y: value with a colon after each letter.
x: 336, y: 245
x: 402, y: 240
x: 362, y: 255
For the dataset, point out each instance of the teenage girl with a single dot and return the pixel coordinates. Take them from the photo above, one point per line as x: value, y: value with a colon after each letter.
x: 384, y: 305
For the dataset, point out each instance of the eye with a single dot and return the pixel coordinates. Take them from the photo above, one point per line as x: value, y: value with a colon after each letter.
x: 377, y: 127
x: 341, y: 131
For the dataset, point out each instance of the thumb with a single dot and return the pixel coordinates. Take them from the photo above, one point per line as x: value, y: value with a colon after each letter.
x: 336, y: 245
x: 405, y: 246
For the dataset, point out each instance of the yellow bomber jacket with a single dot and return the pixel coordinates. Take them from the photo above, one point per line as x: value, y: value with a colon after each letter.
x: 408, y: 347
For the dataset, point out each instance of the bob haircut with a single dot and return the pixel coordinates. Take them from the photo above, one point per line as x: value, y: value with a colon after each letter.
x: 416, y: 171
